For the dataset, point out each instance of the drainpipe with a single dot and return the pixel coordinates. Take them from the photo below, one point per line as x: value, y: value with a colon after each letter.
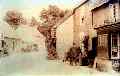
x: 92, y: 19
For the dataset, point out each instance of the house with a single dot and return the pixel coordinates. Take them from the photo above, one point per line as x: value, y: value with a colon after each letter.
x: 75, y: 27
x: 9, y: 41
x: 9, y: 45
x: 83, y: 23
x: 84, y: 34
x: 12, y: 44
x: 106, y: 22
x: 99, y: 21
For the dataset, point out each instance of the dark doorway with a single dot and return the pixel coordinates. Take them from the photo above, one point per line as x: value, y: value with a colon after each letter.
x: 93, y: 52
x: 94, y: 46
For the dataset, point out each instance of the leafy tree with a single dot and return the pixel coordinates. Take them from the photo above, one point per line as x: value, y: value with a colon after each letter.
x: 49, y: 18
x: 14, y: 18
x: 51, y: 15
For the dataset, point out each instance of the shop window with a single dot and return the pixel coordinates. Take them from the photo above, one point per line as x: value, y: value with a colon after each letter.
x: 115, y: 45
x: 119, y: 46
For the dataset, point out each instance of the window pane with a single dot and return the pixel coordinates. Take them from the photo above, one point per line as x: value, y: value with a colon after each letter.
x: 114, y: 45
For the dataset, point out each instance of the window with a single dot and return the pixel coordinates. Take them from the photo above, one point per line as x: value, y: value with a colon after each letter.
x: 115, y: 46
x: 83, y: 19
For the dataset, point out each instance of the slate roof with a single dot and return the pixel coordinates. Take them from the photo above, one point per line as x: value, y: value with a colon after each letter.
x: 103, y: 3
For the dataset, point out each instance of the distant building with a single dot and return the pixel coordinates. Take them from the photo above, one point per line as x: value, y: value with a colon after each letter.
x: 13, y: 44
x: 9, y: 40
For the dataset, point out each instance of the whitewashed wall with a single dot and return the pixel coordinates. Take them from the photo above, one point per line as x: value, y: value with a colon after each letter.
x: 64, y: 34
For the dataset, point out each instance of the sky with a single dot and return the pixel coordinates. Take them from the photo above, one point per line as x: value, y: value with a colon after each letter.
x: 33, y: 3
x: 29, y: 8
x: 32, y: 7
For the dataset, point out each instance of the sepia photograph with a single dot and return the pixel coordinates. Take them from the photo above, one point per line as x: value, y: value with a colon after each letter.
x: 59, y: 37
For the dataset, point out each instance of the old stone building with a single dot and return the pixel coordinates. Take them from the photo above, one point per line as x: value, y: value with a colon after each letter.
x: 84, y: 34
x: 75, y: 28
x: 105, y: 17
x: 99, y: 20
x: 82, y: 22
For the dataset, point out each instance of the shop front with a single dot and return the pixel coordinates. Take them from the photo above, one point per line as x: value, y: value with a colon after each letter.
x: 109, y: 44
x: 115, y: 50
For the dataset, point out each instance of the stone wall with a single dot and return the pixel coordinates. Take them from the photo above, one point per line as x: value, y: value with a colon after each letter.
x: 83, y: 23
x: 64, y: 34
x: 105, y: 15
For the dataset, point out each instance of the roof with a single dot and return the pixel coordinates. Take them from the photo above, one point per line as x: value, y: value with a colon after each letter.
x: 69, y: 14
x: 113, y: 27
x: 98, y: 4
x: 102, y: 3
x: 80, y: 5
x: 12, y: 38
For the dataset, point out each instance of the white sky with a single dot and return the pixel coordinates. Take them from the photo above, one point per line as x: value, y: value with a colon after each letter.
x: 33, y: 7
x: 30, y: 8
x: 33, y: 3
